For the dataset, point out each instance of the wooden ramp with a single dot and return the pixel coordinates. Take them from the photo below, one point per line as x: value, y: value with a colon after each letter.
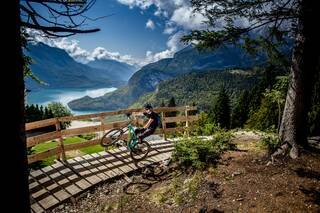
x: 59, y: 182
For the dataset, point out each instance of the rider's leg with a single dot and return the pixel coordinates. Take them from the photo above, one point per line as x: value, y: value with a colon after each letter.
x: 145, y: 133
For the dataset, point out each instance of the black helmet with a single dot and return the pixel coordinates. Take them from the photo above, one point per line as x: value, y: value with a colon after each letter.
x: 147, y: 106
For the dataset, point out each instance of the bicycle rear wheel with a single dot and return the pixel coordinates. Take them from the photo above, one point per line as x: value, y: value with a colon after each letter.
x: 140, y: 151
x: 110, y: 137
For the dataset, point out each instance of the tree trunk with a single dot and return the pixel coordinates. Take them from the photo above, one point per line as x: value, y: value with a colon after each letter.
x: 293, y: 129
x: 15, y: 187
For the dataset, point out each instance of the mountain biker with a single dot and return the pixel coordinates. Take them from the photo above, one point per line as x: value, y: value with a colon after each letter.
x: 150, y: 127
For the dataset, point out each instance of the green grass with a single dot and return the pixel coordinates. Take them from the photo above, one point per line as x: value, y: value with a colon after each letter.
x: 71, y: 140
x: 92, y: 149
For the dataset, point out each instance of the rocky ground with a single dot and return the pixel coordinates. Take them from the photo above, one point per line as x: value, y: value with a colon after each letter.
x: 240, y: 182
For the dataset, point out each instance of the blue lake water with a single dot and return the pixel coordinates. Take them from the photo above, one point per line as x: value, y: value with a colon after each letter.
x: 45, y: 96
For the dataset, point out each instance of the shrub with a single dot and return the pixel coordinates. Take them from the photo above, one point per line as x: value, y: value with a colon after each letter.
x: 198, y: 153
x: 204, y: 126
x: 270, y: 142
x: 88, y: 136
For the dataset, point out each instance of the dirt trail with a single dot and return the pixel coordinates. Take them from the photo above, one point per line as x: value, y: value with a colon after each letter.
x: 241, y: 182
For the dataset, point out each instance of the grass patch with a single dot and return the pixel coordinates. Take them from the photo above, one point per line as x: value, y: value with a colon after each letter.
x: 112, y: 206
x: 179, y: 191
x: 71, y: 140
x: 269, y: 142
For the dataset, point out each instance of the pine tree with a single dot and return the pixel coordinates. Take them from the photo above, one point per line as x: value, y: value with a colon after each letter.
x: 220, y: 112
x: 162, y: 104
x: 241, y: 111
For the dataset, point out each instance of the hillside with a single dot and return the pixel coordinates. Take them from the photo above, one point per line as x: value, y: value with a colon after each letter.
x: 148, y: 77
x: 200, y: 88
x: 55, y: 67
x: 115, y: 69
x: 240, y: 181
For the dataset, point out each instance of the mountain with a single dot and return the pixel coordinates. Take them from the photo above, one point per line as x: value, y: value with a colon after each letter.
x: 114, y: 69
x: 200, y: 87
x: 55, y: 67
x: 148, y: 77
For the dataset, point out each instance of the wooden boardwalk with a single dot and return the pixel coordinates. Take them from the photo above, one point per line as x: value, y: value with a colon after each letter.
x: 60, y: 182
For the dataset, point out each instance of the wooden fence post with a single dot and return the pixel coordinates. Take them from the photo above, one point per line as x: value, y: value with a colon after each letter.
x: 163, y: 126
x: 187, y: 122
x: 101, y: 118
x: 60, y: 139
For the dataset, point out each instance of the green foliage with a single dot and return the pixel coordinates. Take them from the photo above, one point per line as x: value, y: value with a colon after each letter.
x: 199, y: 153
x: 220, y: 112
x: 204, y: 126
x: 201, y: 88
x: 270, y: 142
x: 259, y: 15
x: 59, y: 110
x: 179, y: 191
x: 36, y: 113
x: 268, y: 115
x: 240, y: 112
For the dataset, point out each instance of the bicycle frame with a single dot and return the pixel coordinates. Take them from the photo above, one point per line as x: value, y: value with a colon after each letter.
x: 132, y: 137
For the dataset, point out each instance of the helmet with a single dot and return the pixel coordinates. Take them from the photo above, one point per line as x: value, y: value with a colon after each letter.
x: 147, y: 106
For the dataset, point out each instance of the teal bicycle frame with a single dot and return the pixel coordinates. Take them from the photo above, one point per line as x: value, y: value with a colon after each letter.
x: 133, y: 139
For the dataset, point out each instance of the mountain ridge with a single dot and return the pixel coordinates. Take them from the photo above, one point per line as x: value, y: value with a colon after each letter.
x: 148, y: 77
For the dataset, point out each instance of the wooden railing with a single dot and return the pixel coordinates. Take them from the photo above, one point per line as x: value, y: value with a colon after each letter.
x: 59, y: 134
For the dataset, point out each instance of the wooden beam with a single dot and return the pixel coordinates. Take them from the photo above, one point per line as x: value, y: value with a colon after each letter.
x: 32, y: 141
x: 42, y: 123
x: 181, y: 119
x: 43, y: 155
x: 124, y: 111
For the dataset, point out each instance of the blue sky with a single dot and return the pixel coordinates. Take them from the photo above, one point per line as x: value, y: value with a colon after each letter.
x: 136, y: 31
x: 125, y: 30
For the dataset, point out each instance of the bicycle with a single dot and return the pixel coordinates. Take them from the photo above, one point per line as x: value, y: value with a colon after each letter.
x: 138, y: 151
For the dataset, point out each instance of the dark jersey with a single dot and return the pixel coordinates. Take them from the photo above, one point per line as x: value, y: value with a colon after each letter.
x: 154, y: 118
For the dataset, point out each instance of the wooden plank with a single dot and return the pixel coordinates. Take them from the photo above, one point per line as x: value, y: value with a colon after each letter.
x: 39, y: 124
x: 116, y: 124
x: 108, y: 158
x: 81, y: 130
x: 104, y: 165
x: 70, y: 175
x: 94, y: 164
x: 32, y: 141
x: 59, y: 190
x: 48, y: 202
x: 61, y: 144
x: 169, y: 130
x: 37, y: 208
x: 124, y: 111
x: 122, y: 164
x: 180, y: 118
x: 125, y: 154
x: 90, y: 176
x: 43, y: 155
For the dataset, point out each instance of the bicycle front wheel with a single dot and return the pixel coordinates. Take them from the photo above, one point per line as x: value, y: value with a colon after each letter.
x: 140, y: 151
x: 110, y: 137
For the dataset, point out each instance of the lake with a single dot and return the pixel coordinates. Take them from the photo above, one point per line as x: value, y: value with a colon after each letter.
x: 45, y: 96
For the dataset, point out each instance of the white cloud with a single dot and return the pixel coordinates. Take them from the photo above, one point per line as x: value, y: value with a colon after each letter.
x: 150, y: 24
x: 170, y: 27
x: 178, y: 12
x: 173, y: 45
x: 73, y: 48
x: 185, y: 17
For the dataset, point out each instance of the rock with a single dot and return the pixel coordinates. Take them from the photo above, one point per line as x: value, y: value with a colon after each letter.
x: 236, y: 173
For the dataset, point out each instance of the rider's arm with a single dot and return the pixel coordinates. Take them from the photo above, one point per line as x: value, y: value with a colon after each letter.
x: 148, y: 123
